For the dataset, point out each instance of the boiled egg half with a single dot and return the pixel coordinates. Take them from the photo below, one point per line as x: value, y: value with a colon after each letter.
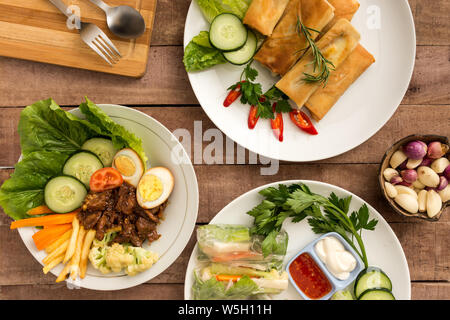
x: 155, y: 187
x: 130, y: 166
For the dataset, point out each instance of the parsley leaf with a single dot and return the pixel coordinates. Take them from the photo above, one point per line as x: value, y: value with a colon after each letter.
x: 252, y: 94
x: 324, y: 215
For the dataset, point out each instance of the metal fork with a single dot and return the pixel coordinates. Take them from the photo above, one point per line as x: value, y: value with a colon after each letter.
x: 93, y: 36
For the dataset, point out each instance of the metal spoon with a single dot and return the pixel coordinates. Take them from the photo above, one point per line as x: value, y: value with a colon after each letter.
x: 123, y: 21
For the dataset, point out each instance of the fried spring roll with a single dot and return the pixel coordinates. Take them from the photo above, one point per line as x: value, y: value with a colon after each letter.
x: 286, y: 45
x: 336, y: 45
x: 340, y: 80
x: 343, y: 9
x: 263, y: 15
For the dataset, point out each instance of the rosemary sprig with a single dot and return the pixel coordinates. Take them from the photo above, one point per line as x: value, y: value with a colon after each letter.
x: 321, y: 63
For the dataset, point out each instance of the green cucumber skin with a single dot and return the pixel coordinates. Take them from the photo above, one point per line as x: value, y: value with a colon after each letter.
x: 69, y: 172
x: 92, y: 144
x: 364, y: 272
x: 382, y: 291
x: 212, y: 42
x: 250, y: 58
x: 73, y: 207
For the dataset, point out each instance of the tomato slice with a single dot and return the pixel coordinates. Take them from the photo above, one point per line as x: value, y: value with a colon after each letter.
x: 105, y: 179
x: 301, y: 120
x: 277, y: 124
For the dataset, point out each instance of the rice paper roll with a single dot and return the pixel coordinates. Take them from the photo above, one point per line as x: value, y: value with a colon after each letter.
x: 235, y: 245
x: 343, y: 9
x: 263, y: 15
x: 340, y: 80
x: 336, y: 45
x: 286, y: 45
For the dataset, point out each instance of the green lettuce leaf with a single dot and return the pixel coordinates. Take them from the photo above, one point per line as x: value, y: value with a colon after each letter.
x: 200, y: 55
x: 120, y: 136
x: 24, y: 190
x: 202, y: 39
x: 212, y: 8
x: 213, y: 289
x: 45, y: 126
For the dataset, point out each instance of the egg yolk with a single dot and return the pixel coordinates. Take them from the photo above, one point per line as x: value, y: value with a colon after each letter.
x: 125, y: 165
x: 150, y: 187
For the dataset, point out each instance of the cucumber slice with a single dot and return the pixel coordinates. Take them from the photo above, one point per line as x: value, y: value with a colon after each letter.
x: 227, y: 32
x: 64, y: 194
x: 342, y: 295
x: 244, y: 54
x: 103, y: 148
x: 377, y: 294
x: 82, y: 165
x: 371, y: 278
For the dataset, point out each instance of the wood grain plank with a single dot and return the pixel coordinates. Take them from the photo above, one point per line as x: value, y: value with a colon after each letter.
x: 432, y: 22
x: 61, y: 292
x: 430, y: 291
x: 433, y: 120
x: 430, y: 83
x: 166, y: 81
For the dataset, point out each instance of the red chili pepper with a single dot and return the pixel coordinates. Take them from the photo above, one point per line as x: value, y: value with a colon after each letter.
x: 252, y: 118
x: 233, y: 95
x: 301, y: 120
x: 277, y: 124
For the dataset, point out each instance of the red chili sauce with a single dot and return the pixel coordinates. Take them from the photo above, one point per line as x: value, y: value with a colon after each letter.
x: 309, y: 277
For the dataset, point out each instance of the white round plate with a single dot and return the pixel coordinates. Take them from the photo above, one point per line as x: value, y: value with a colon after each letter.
x: 162, y: 149
x: 382, y: 246
x: 387, y: 31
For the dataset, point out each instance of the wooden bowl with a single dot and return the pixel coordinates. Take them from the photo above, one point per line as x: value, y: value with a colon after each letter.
x: 385, y: 164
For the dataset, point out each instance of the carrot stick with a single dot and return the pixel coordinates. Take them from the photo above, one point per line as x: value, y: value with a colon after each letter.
x: 57, y: 243
x: 44, y: 220
x: 39, y: 210
x: 45, y: 237
x: 226, y: 277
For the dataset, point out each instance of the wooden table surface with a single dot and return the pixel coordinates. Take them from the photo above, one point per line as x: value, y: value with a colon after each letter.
x: 165, y: 94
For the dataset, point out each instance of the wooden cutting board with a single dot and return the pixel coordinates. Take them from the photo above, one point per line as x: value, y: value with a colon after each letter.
x: 35, y: 30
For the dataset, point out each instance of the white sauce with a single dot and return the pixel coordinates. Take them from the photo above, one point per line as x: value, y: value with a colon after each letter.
x: 336, y: 258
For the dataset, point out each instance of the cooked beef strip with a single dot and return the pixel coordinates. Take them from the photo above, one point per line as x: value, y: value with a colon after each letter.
x: 153, y: 236
x: 118, y: 207
x: 126, y: 201
x: 88, y: 219
x: 146, y: 214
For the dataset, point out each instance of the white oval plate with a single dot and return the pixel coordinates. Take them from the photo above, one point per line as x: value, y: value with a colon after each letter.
x: 363, y: 110
x: 162, y: 149
x: 382, y: 246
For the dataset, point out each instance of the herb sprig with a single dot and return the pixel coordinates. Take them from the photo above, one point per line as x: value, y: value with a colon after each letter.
x: 321, y: 64
x: 252, y: 94
x: 324, y: 215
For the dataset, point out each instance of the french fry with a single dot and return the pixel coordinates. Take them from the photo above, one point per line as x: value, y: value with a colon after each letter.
x: 62, y: 276
x: 53, y: 263
x: 75, y: 261
x: 61, y: 250
x: 58, y: 242
x: 90, y: 235
x: 73, y: 240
